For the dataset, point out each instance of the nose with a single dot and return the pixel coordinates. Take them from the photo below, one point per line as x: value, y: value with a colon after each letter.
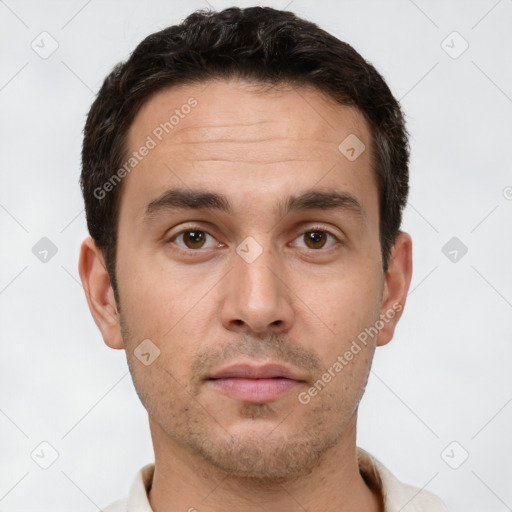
x: 256, y: 298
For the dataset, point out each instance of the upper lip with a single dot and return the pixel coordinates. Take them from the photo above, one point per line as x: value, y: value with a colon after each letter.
x: 251, y: 371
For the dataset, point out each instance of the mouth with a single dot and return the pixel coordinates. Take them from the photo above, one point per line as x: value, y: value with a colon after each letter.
x: 255, y: 384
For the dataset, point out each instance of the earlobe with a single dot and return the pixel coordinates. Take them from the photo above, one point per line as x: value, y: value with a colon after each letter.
x: 99, y: 293
x: 396, y: 287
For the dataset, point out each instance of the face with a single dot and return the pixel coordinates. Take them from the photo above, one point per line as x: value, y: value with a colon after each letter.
x: 248, y: 260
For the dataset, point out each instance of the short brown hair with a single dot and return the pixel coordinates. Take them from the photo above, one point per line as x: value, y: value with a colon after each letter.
x: 258, y: 44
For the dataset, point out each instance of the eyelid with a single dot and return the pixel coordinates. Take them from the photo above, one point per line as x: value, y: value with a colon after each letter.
x: 172, y: 238
x: 338, y: 240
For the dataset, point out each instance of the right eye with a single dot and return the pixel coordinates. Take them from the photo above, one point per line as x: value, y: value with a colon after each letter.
x: 192, y: 239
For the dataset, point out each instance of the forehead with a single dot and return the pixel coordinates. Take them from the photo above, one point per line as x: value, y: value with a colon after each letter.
x: 244, y: 135
x: 220, y: 105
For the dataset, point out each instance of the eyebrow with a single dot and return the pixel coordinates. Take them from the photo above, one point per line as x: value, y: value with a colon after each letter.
x: 178, y: 198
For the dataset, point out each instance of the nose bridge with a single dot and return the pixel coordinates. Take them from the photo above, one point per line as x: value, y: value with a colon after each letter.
x: 256, y: 298
x: 259, y: 283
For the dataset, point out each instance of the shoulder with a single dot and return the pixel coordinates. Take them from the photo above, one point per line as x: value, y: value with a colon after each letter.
x: 118, y: 506
x: 408, y: 498
x: 137, y: 500
x: 397, y: 495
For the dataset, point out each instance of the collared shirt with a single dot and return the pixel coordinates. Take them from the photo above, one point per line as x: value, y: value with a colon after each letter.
x: 397, y: 496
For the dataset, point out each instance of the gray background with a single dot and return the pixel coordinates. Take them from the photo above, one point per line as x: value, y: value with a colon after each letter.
x: 445, y: 377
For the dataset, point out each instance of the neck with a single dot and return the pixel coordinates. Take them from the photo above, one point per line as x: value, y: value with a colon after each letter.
x: 185, y: 482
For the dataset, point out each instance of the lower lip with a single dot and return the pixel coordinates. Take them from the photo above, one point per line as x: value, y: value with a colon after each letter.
x: 255, y: 390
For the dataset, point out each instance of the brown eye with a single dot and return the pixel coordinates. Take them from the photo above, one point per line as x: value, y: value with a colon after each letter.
x: 194, y: 239
x: 315, y: 239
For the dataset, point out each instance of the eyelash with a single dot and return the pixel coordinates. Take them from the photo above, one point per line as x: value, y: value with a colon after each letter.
x: 172, y: 239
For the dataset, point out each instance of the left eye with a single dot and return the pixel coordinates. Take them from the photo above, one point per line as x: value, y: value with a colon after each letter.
x: 316, y: 239
x: 193, y: 239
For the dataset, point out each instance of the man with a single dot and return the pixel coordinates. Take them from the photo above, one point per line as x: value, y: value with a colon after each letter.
x: 244, y: 176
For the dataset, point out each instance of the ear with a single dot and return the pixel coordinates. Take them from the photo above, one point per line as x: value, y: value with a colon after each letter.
x: 99, y: 293
x: 396, y: 287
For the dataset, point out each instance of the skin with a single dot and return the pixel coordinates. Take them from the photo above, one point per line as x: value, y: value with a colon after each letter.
x: 299, y: 303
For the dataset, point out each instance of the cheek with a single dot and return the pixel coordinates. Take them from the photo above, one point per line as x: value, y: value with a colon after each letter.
x: 156, y: 302
x: 162, y: 391
x: 344, y: 306
x: 155, y: 307
x: 334, y: 396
